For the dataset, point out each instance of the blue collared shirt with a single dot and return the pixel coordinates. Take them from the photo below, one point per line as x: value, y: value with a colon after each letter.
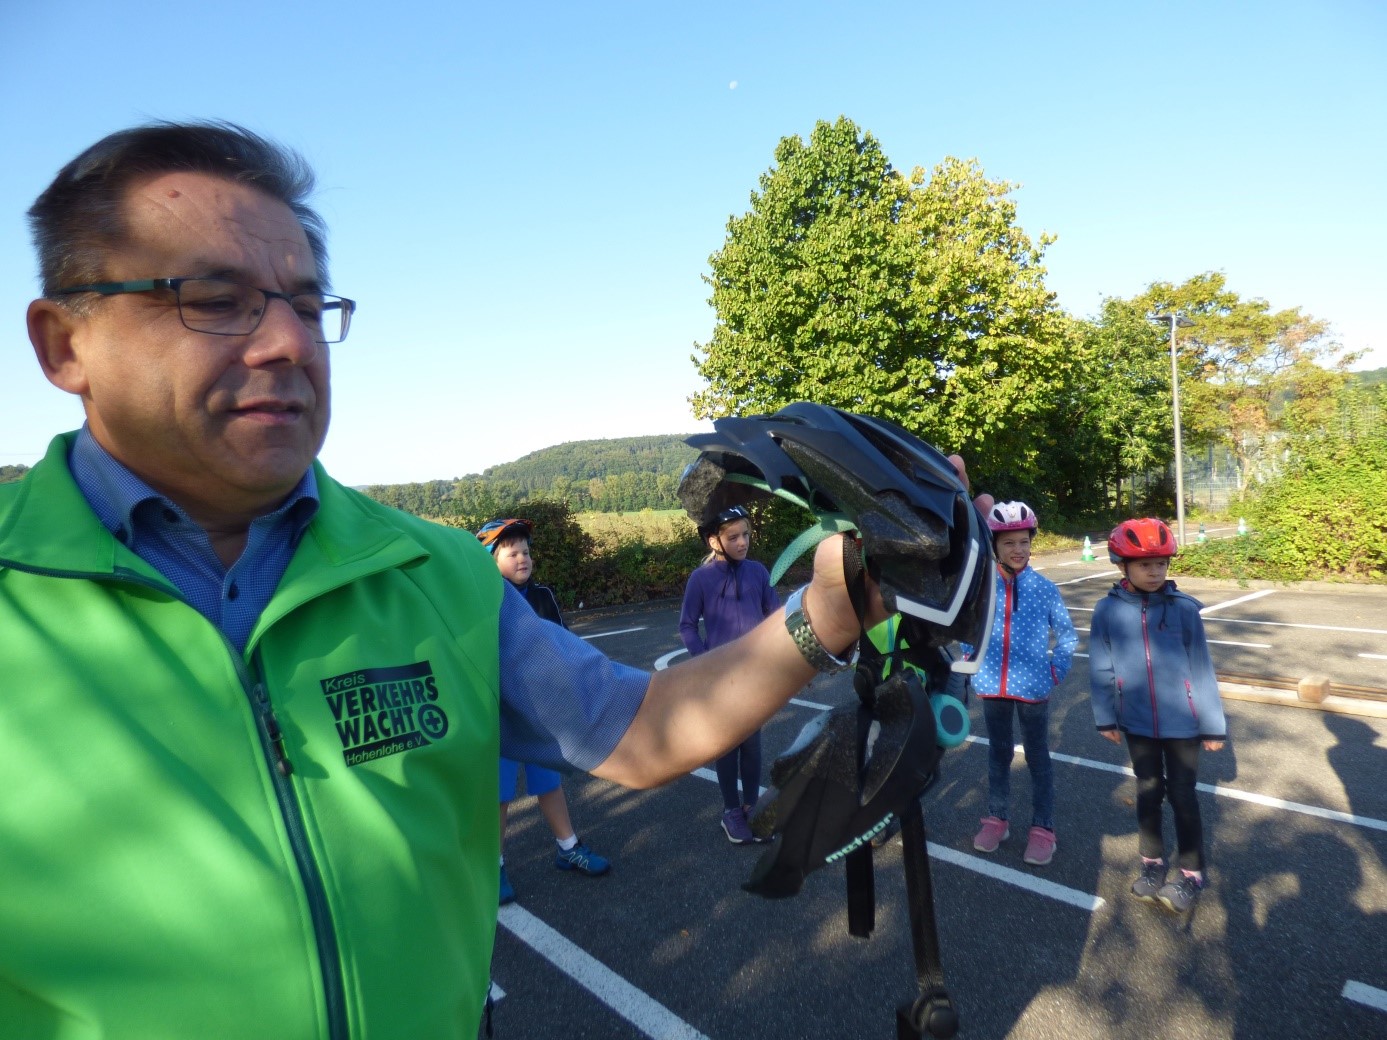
x: 564, y: 704
x: 162, y: 534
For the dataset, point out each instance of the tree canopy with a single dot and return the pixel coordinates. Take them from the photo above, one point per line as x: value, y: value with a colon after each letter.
x: 916, y: 298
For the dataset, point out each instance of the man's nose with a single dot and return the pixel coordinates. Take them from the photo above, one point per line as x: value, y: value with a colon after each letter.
x: 282, y: 336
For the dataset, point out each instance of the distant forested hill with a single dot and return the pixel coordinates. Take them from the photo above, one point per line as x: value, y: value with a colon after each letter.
x: 606, y: 476
x: 12, y: 473
x: 1373, y: 377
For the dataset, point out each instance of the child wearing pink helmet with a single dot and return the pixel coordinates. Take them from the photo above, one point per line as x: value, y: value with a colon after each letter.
x: 1015, y: 678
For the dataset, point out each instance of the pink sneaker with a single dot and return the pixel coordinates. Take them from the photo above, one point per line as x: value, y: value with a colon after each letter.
x: 991, y: 834
x: 1040, y: 847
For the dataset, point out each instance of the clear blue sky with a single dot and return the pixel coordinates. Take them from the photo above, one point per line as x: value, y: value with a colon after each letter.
x: 523, y: 197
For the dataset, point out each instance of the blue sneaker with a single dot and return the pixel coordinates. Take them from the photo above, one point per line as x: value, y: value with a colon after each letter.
x: 582, y: 859
x: 507, y: 890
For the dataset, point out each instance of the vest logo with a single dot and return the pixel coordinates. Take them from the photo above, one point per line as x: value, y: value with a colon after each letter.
x: 383, y: 711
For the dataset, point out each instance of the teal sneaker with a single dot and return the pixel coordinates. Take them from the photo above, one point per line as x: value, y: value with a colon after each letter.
x: 582, y: 859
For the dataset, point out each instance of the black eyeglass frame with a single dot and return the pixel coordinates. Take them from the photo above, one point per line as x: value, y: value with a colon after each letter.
x: 141, y: 285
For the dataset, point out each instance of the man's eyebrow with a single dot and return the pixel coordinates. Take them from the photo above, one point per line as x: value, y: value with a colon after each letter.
x: 307, y: 284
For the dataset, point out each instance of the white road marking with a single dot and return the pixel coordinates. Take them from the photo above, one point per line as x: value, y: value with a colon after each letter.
x: 811, y: 704
x: 648, y: 1015
x: 497, y: 994
x: 1019, y: 878
x: 1277, y: 624
x: 662, y: 662
x: 615, y: 632
x: 1241, y: 599
x: 1374, y: 657
x: 1220, y: 642
x: 1223, y: 792
x: 1088, y: 577
x: 1365, y: 994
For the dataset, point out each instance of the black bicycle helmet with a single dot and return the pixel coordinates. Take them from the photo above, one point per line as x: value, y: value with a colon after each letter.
x: 924, y: 543
x: 843, y: 781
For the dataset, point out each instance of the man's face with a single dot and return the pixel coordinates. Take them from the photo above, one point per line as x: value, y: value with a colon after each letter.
x: 1014, y: 549
x: 513, y: 561
x: 223, y: 425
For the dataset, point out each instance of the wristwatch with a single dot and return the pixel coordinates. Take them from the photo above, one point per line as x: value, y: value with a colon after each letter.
x: 797, y: 624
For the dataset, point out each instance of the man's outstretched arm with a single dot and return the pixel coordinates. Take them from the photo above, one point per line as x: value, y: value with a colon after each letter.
x: 696, y: 710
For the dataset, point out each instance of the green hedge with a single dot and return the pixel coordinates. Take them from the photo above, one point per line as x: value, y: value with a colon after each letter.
x: 1325, y: 517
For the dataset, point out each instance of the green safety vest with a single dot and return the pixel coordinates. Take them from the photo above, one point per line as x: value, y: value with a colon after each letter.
x: 300, y: 841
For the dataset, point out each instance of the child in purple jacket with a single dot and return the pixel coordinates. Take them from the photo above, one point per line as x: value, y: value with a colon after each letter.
x: 730, y: 595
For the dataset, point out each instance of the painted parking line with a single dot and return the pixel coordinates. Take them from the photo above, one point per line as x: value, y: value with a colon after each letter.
x: 1019, y: 878
x: 1364, y: 994
x: 644, y: 1012
x: 1234, y: 602
x: 1212, y: 642
x: 615, y: 632
x: 1276, y: 624
x: 1374, y: 657
x: 662, y: 662
x: 1223, y: 792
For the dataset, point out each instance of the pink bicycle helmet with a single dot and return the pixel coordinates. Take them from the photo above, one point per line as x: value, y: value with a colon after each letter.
x: 1011, y: 516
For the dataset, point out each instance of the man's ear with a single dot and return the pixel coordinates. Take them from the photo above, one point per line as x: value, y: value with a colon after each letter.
x: 52, y: 331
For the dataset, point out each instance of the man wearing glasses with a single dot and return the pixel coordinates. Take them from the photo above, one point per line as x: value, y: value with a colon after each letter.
x: 251, y: 719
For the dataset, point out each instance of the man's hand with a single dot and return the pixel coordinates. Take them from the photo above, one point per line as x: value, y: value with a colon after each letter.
x: 828, y: 606
x: 1111, y: 734
x: 1213, y: 745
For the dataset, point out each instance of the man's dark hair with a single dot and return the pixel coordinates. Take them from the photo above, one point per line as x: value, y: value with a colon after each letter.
x: 77, y: 221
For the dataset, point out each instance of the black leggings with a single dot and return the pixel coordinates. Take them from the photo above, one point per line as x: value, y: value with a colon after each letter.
x: 1167, y: 769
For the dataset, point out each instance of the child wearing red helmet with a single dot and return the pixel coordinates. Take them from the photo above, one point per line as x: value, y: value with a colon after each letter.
x: 1151, y: 677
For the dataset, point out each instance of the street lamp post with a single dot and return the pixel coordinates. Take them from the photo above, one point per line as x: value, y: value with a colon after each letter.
x: 1176, y: 321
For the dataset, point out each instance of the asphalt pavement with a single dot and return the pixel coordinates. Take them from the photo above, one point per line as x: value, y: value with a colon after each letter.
x: 1288, y: 939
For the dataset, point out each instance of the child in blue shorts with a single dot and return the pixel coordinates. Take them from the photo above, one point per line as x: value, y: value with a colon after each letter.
x: 509, y: 543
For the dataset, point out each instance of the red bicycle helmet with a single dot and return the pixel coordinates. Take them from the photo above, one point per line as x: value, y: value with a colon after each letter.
x: 1144, y: 539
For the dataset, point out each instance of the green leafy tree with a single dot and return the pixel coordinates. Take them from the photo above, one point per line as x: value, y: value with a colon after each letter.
x: 914, y: 298
x: 1247, y: 372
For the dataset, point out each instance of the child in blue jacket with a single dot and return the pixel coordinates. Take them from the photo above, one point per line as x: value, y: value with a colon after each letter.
x: 1015, y: 678
x: 1152, y: 679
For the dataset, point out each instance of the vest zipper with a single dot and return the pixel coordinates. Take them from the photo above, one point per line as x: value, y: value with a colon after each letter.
x: 324, y: 932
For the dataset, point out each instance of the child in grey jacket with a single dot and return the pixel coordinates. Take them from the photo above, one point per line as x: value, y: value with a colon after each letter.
x: 1152, y: 678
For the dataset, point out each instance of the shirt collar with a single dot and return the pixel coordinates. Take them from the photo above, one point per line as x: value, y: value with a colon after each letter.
x: 115, y: 494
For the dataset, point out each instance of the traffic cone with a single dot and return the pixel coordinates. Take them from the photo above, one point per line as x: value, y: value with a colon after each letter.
x: 1202, y: 536
x: 1087, y: 555
x: 1242, y: 526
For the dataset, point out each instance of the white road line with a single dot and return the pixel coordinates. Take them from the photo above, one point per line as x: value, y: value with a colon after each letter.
x: 615, y: 632
x: 1374, y: 657
x: 811, y: 704
x: 1296, y: 624
x: 1019, y: 878
x: 1087, y: 577
x: 1220, y: 642
x: 1223, y: 792
x: 1275, y: 624
x: 662, y: 662
x: 1241, y: 599
x: 1365, y: 994
x: 648, y: 1015
x: 497, y: 994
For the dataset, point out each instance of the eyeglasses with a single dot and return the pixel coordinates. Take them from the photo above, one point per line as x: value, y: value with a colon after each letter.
x: 225, y: 308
